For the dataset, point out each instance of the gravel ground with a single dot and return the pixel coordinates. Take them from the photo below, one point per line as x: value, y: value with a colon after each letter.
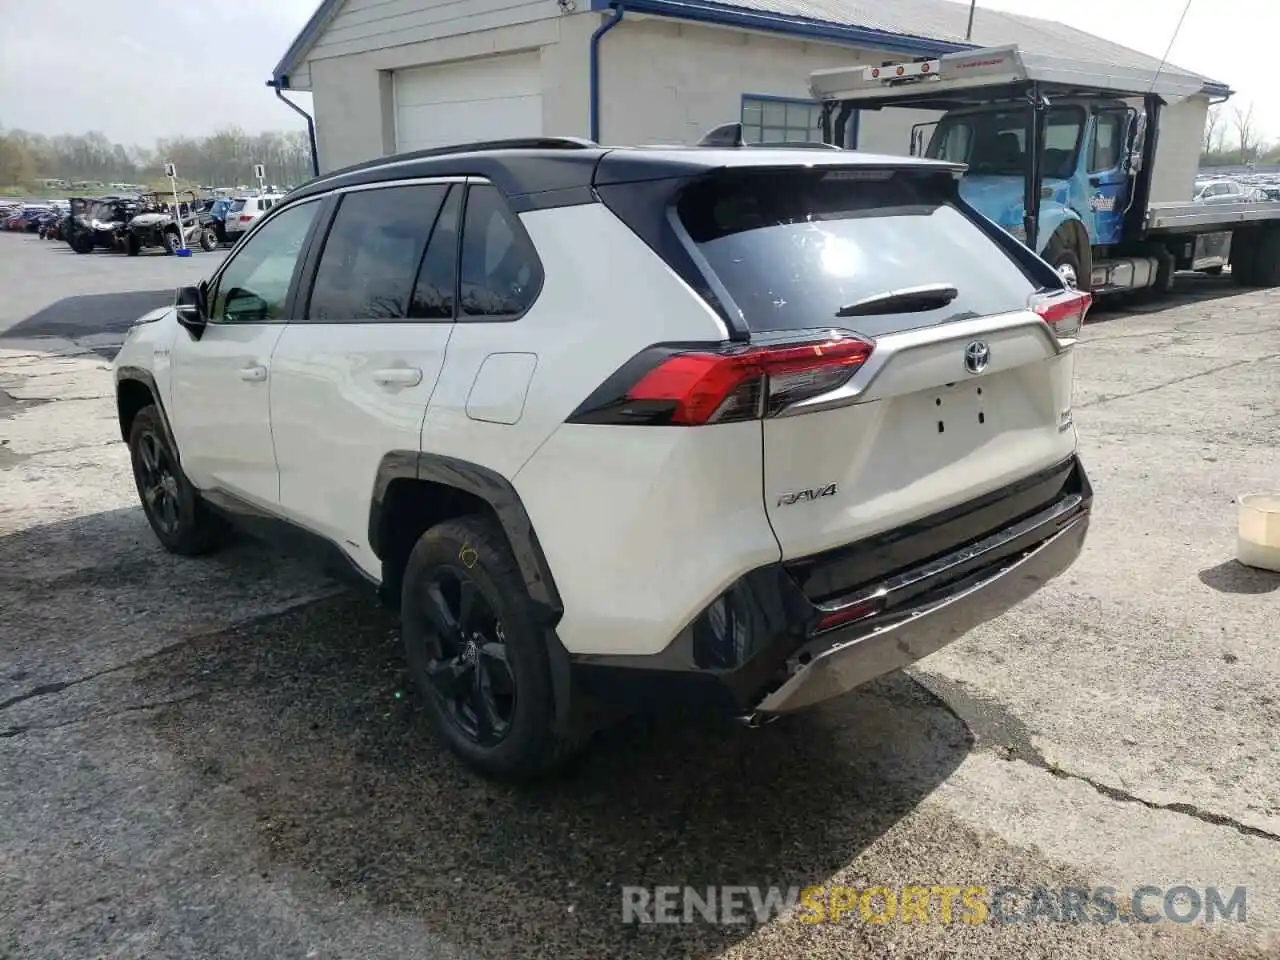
x: 222, y: 758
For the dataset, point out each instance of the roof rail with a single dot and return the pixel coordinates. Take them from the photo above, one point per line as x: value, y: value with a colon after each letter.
x: 514, y: 143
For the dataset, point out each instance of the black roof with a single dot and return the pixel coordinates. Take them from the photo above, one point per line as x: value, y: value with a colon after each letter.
x: 557, y: 166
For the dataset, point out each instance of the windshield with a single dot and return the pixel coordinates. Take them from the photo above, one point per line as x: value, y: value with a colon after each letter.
x: 796, y: 248
x: 995, y: 142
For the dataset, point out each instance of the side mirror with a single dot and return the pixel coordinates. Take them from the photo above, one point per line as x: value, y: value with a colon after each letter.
x: 190, y: 308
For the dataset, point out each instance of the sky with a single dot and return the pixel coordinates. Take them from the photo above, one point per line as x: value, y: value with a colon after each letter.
x: 141, y: 69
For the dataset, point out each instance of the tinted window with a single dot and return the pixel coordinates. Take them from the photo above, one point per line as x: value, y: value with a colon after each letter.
x: 792, y: 248
x: 499, y: 275
x: 995, y: 142
x: 237, y: 205
x: 433, y: 294
x: 372, y: 254
x: 255, y: 284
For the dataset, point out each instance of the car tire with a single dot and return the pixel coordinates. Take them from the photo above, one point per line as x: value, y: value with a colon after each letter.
x: 132, y: 246
x: 82, y: 244
x: 172, y: 243
x: 208, y: 241
x: 179, y: 518
x: 481, y: 664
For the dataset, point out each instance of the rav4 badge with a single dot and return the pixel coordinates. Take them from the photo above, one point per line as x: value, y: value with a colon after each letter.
x: 804, y: 496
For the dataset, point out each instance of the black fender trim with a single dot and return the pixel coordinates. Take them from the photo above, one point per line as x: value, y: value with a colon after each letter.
x: 147, y: 380
x: 490, y: 487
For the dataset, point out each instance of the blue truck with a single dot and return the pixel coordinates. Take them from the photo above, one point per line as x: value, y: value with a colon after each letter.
x: 1062, y: 154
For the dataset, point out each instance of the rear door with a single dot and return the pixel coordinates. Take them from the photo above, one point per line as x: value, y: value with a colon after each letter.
x: 352, y: 378
x: 965, y: 390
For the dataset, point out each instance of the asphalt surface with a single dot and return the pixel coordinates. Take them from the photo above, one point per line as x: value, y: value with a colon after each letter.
x: 222, y: 758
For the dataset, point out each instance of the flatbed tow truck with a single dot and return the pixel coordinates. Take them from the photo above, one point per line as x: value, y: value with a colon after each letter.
x: 1080, y: 196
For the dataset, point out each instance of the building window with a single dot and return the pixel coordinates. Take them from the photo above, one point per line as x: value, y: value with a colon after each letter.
x: 777, y: 120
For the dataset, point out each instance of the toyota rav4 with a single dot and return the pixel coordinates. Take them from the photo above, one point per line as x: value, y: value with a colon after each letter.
x: 623, y: 428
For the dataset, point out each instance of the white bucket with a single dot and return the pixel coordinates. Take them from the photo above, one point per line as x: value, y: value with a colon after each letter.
x: 1258, y: 539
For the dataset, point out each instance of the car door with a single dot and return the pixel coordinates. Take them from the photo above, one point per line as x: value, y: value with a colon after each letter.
x: 352, y: 376
x: 219, y: 402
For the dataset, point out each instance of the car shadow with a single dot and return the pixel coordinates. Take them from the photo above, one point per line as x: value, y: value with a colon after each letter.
x: 1234, y: 577
x: 310, y: 720
x: 301, y: 729
x: 94, y: 313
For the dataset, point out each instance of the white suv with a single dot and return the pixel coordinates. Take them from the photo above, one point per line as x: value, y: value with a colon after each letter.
x: 626, y: 427
x: 244, y: 211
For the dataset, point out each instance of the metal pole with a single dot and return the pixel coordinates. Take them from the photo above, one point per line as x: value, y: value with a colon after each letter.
x: 968, y: 33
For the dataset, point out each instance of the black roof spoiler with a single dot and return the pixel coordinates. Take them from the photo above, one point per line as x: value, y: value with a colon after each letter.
x: 732, y: 135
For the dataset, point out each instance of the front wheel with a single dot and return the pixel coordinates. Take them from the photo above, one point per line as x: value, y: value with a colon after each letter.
x: 132, y: 245
x: 173, y: 508
x: 208, y: 241
x: 477, y: 654
x: 172, y: 243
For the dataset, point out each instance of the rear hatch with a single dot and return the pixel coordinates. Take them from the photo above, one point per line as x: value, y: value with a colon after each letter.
x: 934, y: 377
x: 239, y: 215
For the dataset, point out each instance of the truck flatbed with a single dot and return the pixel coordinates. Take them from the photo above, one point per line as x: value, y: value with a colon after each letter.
x: 1166, y: 218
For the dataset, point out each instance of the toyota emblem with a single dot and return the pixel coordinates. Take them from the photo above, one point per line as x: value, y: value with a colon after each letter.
x: 976, y: 356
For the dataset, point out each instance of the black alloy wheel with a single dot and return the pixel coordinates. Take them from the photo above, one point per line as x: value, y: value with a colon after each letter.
x: 467, y: 668
x: 158, y: 483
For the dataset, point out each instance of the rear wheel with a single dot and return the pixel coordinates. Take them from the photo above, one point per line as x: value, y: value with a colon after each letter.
x: 172, y: 242
x: 476, y: 652
x: 208, y: 240
x: 82, y: 244
x: 173, y: 508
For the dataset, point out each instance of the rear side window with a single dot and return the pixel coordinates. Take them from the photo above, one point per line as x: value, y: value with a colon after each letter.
x: 499, y: 272
x: 372, y: 254
x: 237, y: 206
x: 792, y: 248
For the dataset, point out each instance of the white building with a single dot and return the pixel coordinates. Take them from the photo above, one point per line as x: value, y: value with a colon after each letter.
x: 394, y: 75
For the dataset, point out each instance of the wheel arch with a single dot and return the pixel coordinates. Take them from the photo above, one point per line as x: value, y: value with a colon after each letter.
x: 1069, y: 231
x: 136, y: 388
x: 414, y: 491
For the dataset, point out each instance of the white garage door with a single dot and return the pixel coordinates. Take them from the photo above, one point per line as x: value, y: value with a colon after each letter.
x: 485, y: 99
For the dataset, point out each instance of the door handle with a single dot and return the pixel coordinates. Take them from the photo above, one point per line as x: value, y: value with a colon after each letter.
x: 398, y: 377
x: 254, y: 373
x: 1095, y: 181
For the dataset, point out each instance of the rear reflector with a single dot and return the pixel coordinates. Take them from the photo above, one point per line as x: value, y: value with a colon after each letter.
x: 691, y: 387
x: 1064, y: 312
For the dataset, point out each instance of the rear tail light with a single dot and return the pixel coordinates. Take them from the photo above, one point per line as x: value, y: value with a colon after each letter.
x: 245, y: 218
x: 692, y: 386
x: 1064, y: 312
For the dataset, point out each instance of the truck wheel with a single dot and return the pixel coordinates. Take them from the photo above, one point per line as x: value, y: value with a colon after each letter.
x: 131, y: 245
x: 1244, y: 256
x: 172, y: 243
x: 1064, y: 258
x: 82, y: 244
x: 475, y: 650
x: 208, y: 241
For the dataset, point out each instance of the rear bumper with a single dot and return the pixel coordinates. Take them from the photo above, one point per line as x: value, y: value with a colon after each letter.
x: 860, y: 655
x: 767, y: 645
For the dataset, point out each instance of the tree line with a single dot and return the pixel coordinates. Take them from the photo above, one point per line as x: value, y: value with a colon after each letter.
x: 224, y: 158
x: 1232, y: 139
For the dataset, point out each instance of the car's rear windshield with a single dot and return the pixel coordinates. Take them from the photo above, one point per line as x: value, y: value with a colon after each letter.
x: 793, y: 247
x: 237, y: 205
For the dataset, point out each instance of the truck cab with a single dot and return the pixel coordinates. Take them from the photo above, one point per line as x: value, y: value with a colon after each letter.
x: 1084, y: 166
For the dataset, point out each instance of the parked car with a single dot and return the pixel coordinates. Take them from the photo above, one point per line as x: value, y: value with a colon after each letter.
x: 566, y: 505
x: 244, y: 211
x: 1226, y: 191
x: 27, y: 219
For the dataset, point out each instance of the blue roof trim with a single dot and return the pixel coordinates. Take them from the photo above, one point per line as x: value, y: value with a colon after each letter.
x: 309, y: 34
x: 724, y: 15
x: 1215, y: 89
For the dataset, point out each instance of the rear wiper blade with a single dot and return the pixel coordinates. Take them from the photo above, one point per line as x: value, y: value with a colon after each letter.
x: 908, y: 300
